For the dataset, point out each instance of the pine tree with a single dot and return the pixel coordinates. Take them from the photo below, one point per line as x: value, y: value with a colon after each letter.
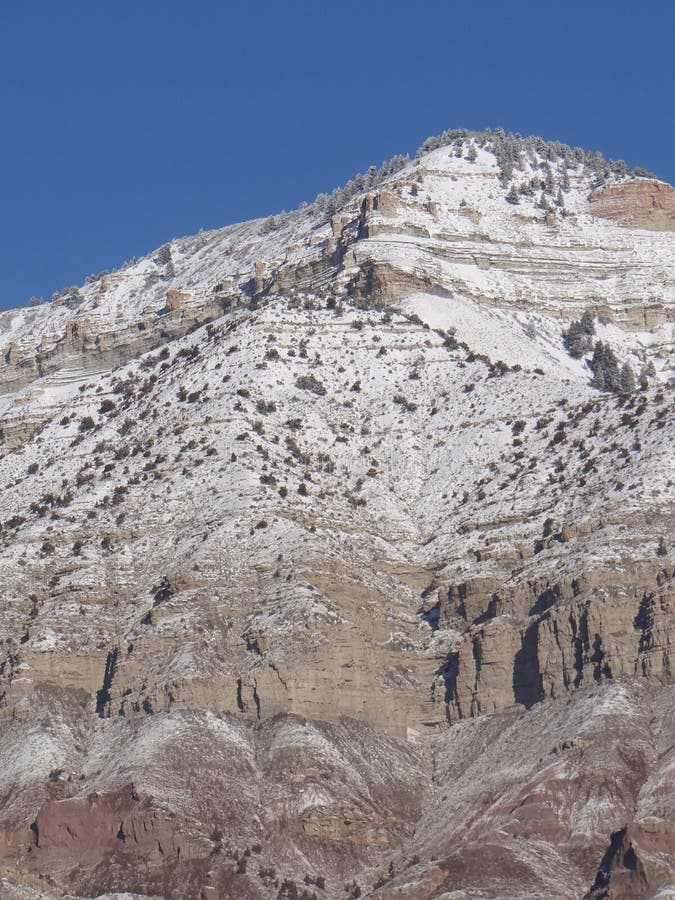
x: 359, y: 183
x: 565, y: 177
x: 606, y: 375
x: 73, y: 296
x: 599, y: 380
x: 512, y: 196
x: 270, y: 224
x: 370, y: 178
x: 578, y: 336
x: 612, y: 372
x: 618, y: 166
x: 550, y: 181
x: 646, y: 372
x: 627, y: 379
x: 163, y: 255
x: 587, y: 322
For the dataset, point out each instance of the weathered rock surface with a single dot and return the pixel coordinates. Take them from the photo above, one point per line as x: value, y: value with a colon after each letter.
x: 523, y: 798
x: 643, y: 203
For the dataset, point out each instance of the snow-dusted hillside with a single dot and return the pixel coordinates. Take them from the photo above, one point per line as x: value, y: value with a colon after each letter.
x: 302, y: 518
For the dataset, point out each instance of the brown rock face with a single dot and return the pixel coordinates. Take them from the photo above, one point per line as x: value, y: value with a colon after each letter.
x: 383, y: 202
x: 259, y: 279
x: 639, y: 204
x: 319, y: 794
x: 583, y: 630
x: 377, y: 284
x: 175, y: 300
x: 621, y: 875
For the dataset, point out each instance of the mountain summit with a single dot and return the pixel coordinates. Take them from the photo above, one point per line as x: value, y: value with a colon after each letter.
x: 335, y: 547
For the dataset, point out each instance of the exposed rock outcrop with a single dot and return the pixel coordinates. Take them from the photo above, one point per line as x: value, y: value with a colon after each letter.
x: 587, y: 629
x: 643, y: 203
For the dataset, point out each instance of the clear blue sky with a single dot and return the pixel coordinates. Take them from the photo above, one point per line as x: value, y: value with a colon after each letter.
x: 126, y: 124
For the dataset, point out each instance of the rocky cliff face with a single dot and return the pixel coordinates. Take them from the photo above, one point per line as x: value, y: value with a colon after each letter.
x: 639, y: 204
x: 323, y: 563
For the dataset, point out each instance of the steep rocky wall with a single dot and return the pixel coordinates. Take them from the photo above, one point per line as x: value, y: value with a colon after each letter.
x: 92, y: 348
x: 643, y: 203
x: 602, y: 625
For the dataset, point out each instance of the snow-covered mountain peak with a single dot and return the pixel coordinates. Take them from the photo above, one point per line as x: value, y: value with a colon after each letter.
x: 335, y: 547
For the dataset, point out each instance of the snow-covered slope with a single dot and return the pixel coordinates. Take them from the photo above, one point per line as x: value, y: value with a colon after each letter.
x: 290, y: 507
